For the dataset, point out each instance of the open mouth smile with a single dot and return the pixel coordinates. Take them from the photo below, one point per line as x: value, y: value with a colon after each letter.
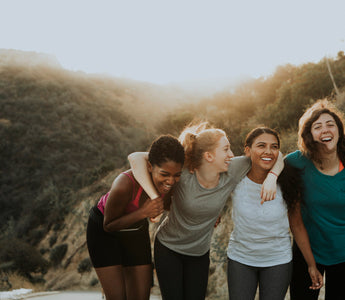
x: 167, y: 187
x: 266, y: 159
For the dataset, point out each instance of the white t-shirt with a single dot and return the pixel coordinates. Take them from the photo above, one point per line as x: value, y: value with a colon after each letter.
x: 260, y: 236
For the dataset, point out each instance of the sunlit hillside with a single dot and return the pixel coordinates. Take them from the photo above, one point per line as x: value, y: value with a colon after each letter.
x: 62, y: 130
x: 65, y: 135
x: 276, y: 101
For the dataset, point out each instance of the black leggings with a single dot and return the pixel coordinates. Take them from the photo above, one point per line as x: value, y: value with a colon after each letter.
x: 181, y: 277
x: 299, y: 287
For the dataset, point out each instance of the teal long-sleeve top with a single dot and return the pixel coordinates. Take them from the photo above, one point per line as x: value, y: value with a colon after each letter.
x: 323, y: 210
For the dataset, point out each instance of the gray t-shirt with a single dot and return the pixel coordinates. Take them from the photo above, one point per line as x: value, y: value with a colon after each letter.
x: 195, y: 209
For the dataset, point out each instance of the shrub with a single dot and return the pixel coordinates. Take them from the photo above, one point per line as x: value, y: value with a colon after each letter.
x: 52, y: 240
x: 43, y: 250
x: 58, y: 253
x: 36, y: 235
x: 85, y: 266
x: 94, y: 281
x: 24, y: 258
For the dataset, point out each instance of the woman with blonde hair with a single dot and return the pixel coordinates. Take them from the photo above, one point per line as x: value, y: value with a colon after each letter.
x: 182, y: 244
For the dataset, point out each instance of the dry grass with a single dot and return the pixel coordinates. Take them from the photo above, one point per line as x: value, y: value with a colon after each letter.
x: 18, y: 282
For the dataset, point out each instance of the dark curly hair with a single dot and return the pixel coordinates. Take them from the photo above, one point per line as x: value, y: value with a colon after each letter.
x: 291, y: 184
x: 306, y: 143
x: 166, y: 148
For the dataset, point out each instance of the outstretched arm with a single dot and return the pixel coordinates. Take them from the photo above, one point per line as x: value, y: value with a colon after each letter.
x: 302, y: 239
x: 269, y: 187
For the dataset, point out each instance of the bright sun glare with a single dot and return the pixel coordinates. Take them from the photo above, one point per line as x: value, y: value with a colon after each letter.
x: 176, y: 41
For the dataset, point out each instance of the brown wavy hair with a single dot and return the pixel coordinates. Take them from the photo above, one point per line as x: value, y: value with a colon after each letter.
x: 306, y: 143
x: 292, y: 186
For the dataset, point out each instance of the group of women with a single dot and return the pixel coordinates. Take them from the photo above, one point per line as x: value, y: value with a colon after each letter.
x: 307, y: 195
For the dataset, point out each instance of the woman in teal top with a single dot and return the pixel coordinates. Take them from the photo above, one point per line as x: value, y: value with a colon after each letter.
x: 321, y: 158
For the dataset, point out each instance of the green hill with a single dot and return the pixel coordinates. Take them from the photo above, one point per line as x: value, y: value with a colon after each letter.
x: 61, y: 131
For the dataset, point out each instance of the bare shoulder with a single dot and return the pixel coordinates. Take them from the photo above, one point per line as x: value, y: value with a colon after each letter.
x: 123, y: 183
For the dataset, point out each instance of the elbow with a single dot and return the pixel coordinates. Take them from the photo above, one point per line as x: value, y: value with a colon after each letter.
x: 296, y: 229
x: 137, y: 157
x: 293, y: 229
x: 106, y: 228
x: 112, y: 226
x: 131, y: 156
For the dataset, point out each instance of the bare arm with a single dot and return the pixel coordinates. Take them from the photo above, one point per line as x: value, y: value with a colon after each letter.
x: 301, y: 237
x: 138, y: 162
x: 115, y: 217
x: 269, y: 187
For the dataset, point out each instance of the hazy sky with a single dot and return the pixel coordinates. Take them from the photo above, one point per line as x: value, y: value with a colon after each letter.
x: 178, y: 40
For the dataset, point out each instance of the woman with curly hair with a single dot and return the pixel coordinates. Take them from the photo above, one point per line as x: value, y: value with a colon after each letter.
x: 321, y: 159
x: 117, y: 232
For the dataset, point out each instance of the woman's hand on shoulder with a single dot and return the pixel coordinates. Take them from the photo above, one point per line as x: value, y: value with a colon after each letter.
x: 269, y: 188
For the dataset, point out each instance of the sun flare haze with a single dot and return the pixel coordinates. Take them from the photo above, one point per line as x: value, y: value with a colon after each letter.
x: 167, y: 42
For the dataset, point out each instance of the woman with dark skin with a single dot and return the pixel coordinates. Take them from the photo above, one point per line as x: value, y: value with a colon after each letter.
x: 117, y: 234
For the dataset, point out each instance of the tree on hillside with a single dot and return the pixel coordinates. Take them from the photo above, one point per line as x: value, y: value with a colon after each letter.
x: 60, y: 132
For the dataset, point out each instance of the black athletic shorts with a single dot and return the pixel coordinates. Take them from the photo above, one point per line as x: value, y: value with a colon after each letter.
x: 126, y: 248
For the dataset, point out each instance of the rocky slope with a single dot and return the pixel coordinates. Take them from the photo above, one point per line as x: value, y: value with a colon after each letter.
x: 73, y: 271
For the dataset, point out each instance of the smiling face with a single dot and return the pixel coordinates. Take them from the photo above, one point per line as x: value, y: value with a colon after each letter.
x: 263, y: 152
x: 325, y: 132
x: 222, y: 154
x: 166, y: 175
